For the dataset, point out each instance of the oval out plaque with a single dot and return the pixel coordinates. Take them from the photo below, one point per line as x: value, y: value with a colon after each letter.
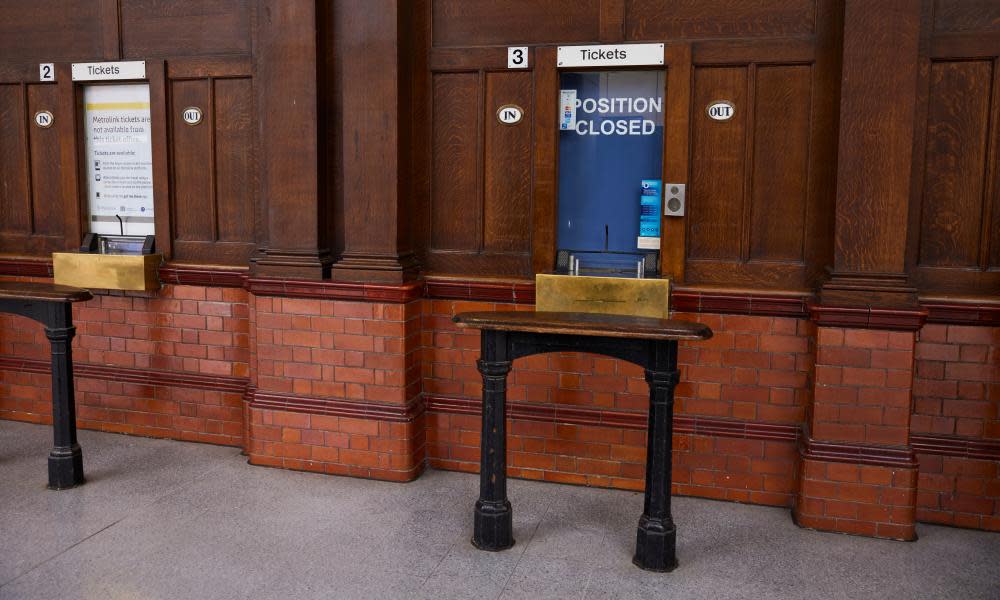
x: 191, y: 115
x: 720, y: 110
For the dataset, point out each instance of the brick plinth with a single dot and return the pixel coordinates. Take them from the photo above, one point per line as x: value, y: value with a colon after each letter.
x: 359, y: 447
x: 337, y: 387
x: 859, y: 499
x: 861, y: 412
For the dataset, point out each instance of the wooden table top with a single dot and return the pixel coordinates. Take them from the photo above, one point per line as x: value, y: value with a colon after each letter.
x: 45, y: 292
x: 594, y: 324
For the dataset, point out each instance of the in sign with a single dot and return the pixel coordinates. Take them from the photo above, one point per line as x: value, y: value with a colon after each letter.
x: 720, y: 110
x: 44, y: 119
x: 510, y: 114
x: 191, y: 115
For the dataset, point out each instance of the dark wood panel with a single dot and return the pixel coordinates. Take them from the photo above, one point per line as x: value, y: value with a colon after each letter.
x: 234, y: 160
x: 954, y: 170
x: 197, y: 67
x: 507, y: 165
x: 673, y: 19
x: 162, y: 28
x: 715, y: 196
x: 780, y: 165
x: 46, y: 192
x: 51, y: 31
x: 456, y: 192
x: 676, y: 154
x: 966, y: 15
x: 508, y: 22
x: 545, y: 175
x: 15, y: 199
x: 193, y: 163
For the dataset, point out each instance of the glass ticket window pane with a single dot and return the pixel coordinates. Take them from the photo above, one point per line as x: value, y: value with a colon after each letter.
x: 610, y: 170
x: 119, y: 155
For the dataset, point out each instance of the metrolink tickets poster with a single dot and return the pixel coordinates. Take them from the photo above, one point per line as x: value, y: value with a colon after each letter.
x: 119, y: 159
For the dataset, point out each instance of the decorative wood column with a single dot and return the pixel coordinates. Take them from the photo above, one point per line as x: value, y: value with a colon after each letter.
x: 286, y: 88
x: 878, y: 96
x: 372, y: 67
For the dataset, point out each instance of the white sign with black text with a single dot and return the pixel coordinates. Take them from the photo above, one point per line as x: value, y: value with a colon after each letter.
x: 118, y: 136
x: 517, y: 57
x: 109, y: 71
x: 610, y: 55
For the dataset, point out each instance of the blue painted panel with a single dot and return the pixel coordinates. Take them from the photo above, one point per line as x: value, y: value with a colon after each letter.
x: 614, y: 144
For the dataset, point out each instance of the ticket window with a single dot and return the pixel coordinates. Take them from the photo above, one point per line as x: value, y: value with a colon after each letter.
x: 117, y: 131
x: 610, y: 172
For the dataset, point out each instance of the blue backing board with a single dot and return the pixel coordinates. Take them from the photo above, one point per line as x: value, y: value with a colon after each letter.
x: 600, y: 176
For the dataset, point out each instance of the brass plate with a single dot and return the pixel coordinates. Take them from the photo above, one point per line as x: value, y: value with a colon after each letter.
x: 107, y: 271
x: 608, y: 295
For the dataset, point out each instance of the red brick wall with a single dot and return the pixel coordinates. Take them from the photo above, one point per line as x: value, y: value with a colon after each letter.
x: 755, y: 369
x: 335, y: 386
x: 164, y: 348
x: 956, y: 391
x: 311, y: 356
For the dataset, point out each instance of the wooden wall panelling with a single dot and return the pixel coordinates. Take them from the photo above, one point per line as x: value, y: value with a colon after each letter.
x: 955, y: 164
x: 506, y: 222
x: 158, y: 29
x: 612, y: 21
x: 69, y: 125
x: 966, y: 15
x: 234, y: 160
x: 193, y: 161
x: 156, y: 73
x: 718, y: 161
x: 15, y: 180
x: 456, y: 197
x: 877, y: 108
x: 779, y: 173
x: 285, y: 85
x: 46, y: 193
x: 823, y: 128
x: 57, y: 30
x: 545, y: 200
x: 373, y: 43
x: 955, y: 198
x: 676, y: 154
x: 512, y: 22
x: 658, y: 20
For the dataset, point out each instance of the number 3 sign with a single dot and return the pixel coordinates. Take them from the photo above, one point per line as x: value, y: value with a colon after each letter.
x: 517, y: 57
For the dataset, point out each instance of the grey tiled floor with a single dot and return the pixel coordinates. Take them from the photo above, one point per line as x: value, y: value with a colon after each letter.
x: 162, y: 519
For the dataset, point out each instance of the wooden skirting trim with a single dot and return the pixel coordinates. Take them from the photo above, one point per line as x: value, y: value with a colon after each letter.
x: 335, y: 290
x: 513, y: 292
x: 616, y: 418
x: 18, y: 267
x: 196, y: 275
x: 334, y: 407
x: 868, y: 317
x: 218, y: 383
x: 933, y: 309
x: 962, y: 313
x: 740, y: 303
x: 956, y: 446
x: 877, y: 456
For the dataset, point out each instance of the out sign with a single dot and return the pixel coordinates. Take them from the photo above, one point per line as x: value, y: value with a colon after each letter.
x: 720, y: 111
x: 510, y: 114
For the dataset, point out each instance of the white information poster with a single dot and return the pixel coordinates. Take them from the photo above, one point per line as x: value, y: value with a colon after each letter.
x: 119, y: 159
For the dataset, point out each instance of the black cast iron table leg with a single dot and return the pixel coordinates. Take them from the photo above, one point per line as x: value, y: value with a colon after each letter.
x: 493, y: 525
x: 656, y: 539
x: 66, y: 458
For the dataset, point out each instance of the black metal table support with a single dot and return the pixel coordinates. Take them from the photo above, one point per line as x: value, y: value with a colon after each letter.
x: 55, y: 313
x: 656, y: 535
